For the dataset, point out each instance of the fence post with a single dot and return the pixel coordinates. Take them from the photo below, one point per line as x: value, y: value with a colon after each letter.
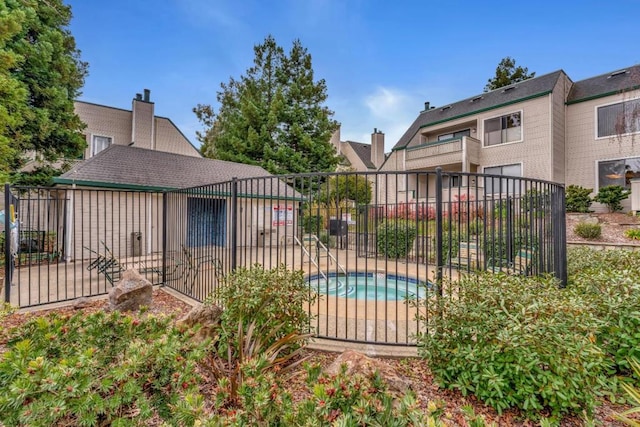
x: 8, y: 261
x: 559, y: 233
x: 439, y: 261
x: 234, y: 223
x: 164, y: 237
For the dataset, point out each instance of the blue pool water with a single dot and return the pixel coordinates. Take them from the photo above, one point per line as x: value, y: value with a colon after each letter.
x: 369, y: 286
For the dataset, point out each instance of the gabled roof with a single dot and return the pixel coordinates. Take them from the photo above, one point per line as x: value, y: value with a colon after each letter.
x: 605, y: 84
x: 518, y: 92
x: 363, y: 151
x: 125, y: 167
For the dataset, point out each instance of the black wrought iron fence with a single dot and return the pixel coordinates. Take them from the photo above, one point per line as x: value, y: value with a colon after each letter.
x: 376, y: 247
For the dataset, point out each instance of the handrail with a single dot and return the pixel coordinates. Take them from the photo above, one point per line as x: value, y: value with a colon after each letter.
x: 310, y: 257
x: 321, y: 245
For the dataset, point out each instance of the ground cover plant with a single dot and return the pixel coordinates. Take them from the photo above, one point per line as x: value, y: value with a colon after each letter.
x: 95, y: 370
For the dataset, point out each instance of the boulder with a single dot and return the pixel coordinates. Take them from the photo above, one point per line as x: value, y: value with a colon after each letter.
x: 207, y: 316
x: 80, y: 303
x: 131, y: 292
x: 358, y: 363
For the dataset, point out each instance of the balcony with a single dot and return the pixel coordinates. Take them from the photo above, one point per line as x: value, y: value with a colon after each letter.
x: 463, y: 150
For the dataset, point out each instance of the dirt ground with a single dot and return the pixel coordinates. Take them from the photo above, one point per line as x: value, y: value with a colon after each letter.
x: 613, y: 227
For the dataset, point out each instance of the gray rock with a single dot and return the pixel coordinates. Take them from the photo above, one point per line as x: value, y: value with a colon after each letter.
x: 206, y: 316
x: 358, y: 363
x: 80, y: 303
x: 131, y: 292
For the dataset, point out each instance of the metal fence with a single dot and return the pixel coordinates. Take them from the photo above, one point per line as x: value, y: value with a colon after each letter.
x: 378, y: 248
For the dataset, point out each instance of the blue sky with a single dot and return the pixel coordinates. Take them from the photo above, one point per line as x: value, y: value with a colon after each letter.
x: 381, y: 59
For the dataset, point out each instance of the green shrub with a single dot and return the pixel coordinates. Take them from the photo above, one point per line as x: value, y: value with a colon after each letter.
x: 328, y: 240
x: 633, y: 233
x: 578, y: 199
x: 268, y: 298
x: 588, y: 231
x: 612, y: 195
x: 356, y: 400
x: 395, y: 237
x: 609, y: 285
x: 515, y: 341
x: 95, y: 369
x: 535, y: 200
x: 312, y: 223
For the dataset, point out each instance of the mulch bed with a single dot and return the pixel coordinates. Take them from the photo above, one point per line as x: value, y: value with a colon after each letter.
x: 415, y: 370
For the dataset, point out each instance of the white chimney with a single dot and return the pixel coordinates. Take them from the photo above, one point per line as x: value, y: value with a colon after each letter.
x: 335, y: 139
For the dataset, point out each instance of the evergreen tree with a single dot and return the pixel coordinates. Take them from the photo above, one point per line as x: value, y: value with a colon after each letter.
x: 507, y: 73
x: 40, y: 75
x: 273, y: 116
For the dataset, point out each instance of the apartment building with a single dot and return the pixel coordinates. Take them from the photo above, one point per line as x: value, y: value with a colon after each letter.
x: 548, y: 127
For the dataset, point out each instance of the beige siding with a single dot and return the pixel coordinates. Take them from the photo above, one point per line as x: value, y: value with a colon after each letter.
x: 356, y: 162
x: 534, y: 152
x: 169, y: 139
x: 117, y: 124
x: 111, y: 217
x: 584, y: 150
x: 143, y: 122
x: 104, y: 121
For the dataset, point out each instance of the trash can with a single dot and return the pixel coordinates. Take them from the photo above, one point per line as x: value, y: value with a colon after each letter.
x: 136, y: 243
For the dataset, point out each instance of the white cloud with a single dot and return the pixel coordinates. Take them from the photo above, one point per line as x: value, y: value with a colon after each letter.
x: 390, y: 110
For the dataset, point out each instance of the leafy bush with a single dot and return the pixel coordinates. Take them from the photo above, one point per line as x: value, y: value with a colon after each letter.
x: 578, y: 199
x: 312, y: 223
x: 535, y: 200
x: 588, y: 231
x: 515, y: 341
x: 268, y: 299
x: 95, y: 369
x: 340, y: 400
x: 612, y: 195
x: 633, y: 233
x: 395, y: 237
x: 328, y: 240
x: 356, y: 400
x: 609, y: 285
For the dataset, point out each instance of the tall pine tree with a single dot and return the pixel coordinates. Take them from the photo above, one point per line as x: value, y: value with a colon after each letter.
x: 273, y: 116
x: 40, y: 75
x: 507, y: 73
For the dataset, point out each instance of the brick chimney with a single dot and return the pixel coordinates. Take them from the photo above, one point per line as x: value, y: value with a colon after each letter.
x: 143, y: 121
x: 377, y: 148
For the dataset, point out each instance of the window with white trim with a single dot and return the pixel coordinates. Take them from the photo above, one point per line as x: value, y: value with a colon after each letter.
x: 503, y: 129
x: 502, y: 185
x: 618, y: 172
x: 99, y: 143
x: 619, y: 119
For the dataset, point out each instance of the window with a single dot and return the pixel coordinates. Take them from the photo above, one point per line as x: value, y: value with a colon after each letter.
x: 618, y: 172
x: 454, y: 135
x: 501, y: 130
x: 619, y: 119
x: 451, y: 181
x: 100, y: 143
x: 504, y: 185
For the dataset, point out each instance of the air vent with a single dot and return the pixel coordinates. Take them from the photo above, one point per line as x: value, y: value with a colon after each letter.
x: 506, y: 89
x: 445, y: 108
x: 477, y: 98
x: 618, y: 73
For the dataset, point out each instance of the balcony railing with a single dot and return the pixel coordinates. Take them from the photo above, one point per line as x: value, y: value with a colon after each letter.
x: 438, y: 153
